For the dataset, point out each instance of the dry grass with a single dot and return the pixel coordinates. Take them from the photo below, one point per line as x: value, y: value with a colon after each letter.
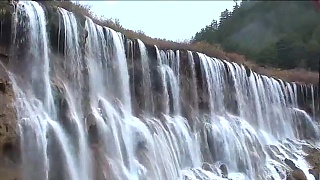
x: 292, y: 75
x: 302, y: 76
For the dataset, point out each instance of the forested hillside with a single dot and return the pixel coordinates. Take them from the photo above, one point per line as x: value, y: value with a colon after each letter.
x: 284, y: 34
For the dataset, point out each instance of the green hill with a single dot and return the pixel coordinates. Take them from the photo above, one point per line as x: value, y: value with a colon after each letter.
x: 284, y: 34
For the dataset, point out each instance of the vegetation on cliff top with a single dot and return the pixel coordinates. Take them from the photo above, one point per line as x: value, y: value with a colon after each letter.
x: 284, y: 34
x: 212, y: 50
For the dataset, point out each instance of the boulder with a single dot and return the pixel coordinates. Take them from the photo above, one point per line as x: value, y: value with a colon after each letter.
x: 315, y: 173
x: 224, y: 170
x: 206, y: 166
x: 298, y: 174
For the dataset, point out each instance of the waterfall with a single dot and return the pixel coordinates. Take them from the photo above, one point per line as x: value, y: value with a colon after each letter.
x: 147, y: 91
x: 96, y: 105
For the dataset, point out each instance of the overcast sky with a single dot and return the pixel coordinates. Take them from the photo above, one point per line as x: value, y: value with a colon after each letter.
x: 173, y: 20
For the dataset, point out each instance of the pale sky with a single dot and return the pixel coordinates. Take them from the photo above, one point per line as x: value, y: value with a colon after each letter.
x: 172, y: 20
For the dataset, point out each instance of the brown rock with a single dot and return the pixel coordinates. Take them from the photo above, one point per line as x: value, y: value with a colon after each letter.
x: 298, y: 174
x: 309, y: 149
x: 313, y: 159
x: 9, y: 139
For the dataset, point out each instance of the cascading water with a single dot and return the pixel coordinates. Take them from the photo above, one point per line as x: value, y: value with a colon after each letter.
x: 35, y: 104
x: 147, y: 92
x: 77, y: 119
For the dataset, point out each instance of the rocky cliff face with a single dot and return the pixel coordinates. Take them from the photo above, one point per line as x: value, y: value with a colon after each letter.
x: 9, y: 131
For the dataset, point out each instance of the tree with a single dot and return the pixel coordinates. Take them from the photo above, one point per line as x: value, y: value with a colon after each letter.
x: 214, y: 25
x: 224, y: 16
x: 283, y: 34
x: 236, y: 6
x: 117, y: 22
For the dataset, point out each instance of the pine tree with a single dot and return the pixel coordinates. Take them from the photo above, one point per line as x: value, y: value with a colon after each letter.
x: 224, y: 15
x: 214, y: 25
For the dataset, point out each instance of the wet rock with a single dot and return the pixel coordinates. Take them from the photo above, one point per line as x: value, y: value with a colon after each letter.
x: 306, y: 99
x: 142, y: 141
x: 90, y: 120
x: 102, y: 164
x: 6, y: 25
x: 272, y: 153
x: 85, y: 34
x: 144, y: 161
x: 4, y: 54
x: 138, y: 98
x: 275, y: 149
x: 310, y: 149
x: 118, y: 106
x: 281, y: 170
x: 313, y: 159
x: 204, y: 146
x: 297, y: 174
x: 315, y: 173
x: 290, y: 163
x: 305, y: 126
x: 224, y: 170
x: 64, y: 111
x: 208, y: 167
x: 307, y: 148
x: 92, y: 128
x: 248, y: 71
x: 188, y: 90
x: 9, y: 136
